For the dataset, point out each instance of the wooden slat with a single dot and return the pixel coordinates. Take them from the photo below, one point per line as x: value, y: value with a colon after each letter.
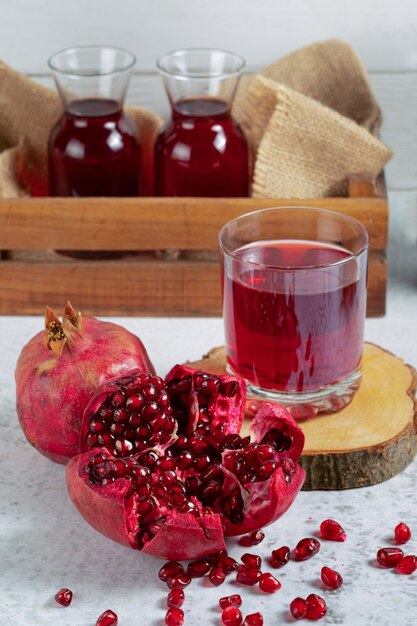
x: 134, y: 288
x: 152, y: 223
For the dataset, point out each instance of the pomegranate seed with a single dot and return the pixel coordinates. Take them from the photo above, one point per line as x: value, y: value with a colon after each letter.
x: 254, y: 619
x: 316, y: 606
x: 298, y: 608
x: 251, y: 560
x: 169, y: 570
x: 269, y: 583
x: 306, y: 548
x: 331, y: 530
x: 179, y: 582
x: 228, y: 564
x: 389, y: 557
x: 232, y: 616
x: 248, y: 575
x: 198, y: 568
x: 217, y: 576
x: 402, y: 533
x: 174, y: 617
x: 331, y: 578
x: 64, y: 596
x: 407, y: 565
x: 236, y: 600
x: 175, y: 598
x: 252, y: 539
x: 108, y: 618
x: 280, y: 557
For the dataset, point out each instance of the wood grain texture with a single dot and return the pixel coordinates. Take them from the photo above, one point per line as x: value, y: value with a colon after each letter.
x: 369, y: 441
x: 134, y: 287
x: 152, y: 223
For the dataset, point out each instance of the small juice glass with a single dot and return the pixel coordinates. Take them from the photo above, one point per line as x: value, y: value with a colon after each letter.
x: 294, y: 305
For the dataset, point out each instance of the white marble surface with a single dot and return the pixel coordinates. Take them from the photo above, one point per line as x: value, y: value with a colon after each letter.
x: 44, y: 543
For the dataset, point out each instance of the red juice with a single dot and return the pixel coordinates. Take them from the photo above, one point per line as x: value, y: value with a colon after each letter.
x: 201, y: 152
x: 293, y: 330
x: 94, y: 151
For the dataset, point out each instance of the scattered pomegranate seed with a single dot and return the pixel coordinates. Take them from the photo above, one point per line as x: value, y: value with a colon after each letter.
x: 108, y: 618
x: 402, y: 533
x: 235, y: 599
x: 228, y: 564
x: 298, y: 608
x: 407, y: 565
x: 169, y: 570
x: 331, y: 530
x: 217, y: 576
x: 269, y: 583
x: 174, y: 617
x: 251, y: 560
x: 248, y: 575
x: 252, y: 539
x: 175, y: 598
x: 331, y: 578
x: 280, y: 557
x: 232, y: 616
x: 179, y: 581
x: 316, y: 606
x: 389, y: 557
x: 306, y: 548
x: 254, y: 619
x: 64, y: 596
x: 198, y: 568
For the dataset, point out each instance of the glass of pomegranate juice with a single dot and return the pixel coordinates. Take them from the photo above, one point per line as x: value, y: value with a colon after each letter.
x: 201, y: 151
x: 294, y: 304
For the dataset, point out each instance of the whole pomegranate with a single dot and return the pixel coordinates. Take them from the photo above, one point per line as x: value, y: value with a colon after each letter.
x: 61, y: 368
x: 173, y: 476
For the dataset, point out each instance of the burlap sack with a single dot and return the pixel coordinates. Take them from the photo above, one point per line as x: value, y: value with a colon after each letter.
x: 309, y: 119
x: 28, y: 112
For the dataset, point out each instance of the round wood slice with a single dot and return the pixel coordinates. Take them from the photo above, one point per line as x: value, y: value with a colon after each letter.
x: 369, y: 441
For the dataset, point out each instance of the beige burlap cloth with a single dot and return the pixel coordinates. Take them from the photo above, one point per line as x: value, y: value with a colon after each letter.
x: 28, y: 112
x: 311, y: 120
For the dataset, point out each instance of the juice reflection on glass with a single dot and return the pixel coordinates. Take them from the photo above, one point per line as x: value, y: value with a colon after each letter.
x: 201, y: 151
x: 294, y: 302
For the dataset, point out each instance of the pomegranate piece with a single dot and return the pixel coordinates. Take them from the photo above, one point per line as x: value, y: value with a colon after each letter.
x: 251, y: 560
x: 175, y: 598
x: 331, y: 578
x: 252, y: 539
x: 298, y: 608
x: 198, y: 568
x: 248, y: 575
x: 332, y: 531
x: 402, y: 533
x: 64, y: 596
x: 170, y: 570
x: 407, y: 565
x: 174, y: 617
x: 389, y: 557
x: 280, y: 557
x: 108, y: 618
x: 254, y: 619
x: 306, y: 548
x: 269, y: 583
x: 234, y: 600
x: 217, y: 576
x: 179, y: 582
x: 316, y: 606
x: 61, y: 368
x: 232, y: 616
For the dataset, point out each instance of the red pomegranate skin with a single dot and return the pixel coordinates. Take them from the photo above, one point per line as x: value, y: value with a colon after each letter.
x: 53, y: 390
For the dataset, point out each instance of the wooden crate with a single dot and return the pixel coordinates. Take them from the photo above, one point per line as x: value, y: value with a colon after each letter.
x: 30, y: 277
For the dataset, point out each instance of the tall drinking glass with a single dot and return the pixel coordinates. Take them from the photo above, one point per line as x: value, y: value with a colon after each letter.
x: 202, y: 151
x: 294, y: 303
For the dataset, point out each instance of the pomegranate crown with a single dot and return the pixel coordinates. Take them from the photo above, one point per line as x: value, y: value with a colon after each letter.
x: 58, y: 334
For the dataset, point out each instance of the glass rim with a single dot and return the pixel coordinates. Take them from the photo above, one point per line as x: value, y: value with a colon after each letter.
x: 294, y: 268
x: 204, y: 75
x: 129, y: 63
